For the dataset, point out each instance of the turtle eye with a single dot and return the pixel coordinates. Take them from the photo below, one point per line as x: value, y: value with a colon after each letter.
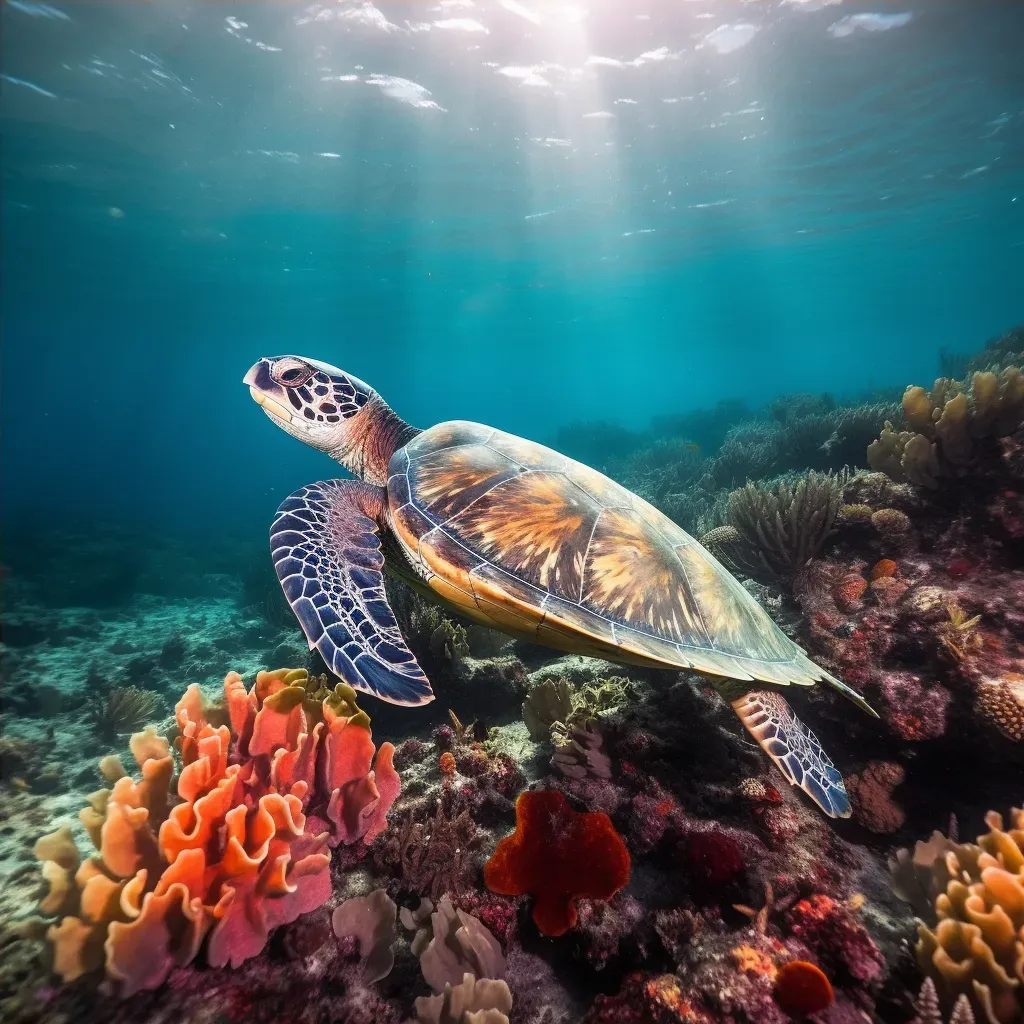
x: 291, y: 375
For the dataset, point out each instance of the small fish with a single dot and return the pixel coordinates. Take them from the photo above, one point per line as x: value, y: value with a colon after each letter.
x: 692, y: 447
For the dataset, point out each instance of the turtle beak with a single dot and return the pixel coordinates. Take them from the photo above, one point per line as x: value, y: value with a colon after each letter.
x: 263, y: 388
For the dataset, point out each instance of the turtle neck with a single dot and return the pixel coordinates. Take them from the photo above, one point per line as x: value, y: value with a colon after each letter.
x: 377, y: 432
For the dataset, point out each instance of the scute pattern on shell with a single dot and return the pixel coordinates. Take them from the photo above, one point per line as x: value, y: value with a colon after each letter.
x: 529, y: 540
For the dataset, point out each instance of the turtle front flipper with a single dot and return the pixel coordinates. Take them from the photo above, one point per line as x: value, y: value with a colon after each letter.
x: 327, y: 554
x: 794, y: 748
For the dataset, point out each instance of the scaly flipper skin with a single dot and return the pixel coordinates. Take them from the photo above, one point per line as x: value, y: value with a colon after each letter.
x: 794, y: 749
x: 326, y: 551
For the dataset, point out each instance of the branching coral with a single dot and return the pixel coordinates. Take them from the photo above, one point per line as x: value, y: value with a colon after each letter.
x: 434, y: 855
x: 784, y: 527
x: 237, y: 855
x: 947, y: 424
x: 971, y: 897
x: 929, y: 1010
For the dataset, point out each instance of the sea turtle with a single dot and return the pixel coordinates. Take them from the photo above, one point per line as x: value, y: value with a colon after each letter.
x: 520, y: 538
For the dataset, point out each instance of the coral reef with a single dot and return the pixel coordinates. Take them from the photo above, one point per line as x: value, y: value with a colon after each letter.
x: 708, y: 893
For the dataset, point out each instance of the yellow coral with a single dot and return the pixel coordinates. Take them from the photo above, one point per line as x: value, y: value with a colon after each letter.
x: 976, y: 946
x: 946, y: 424
x: 959, y: 634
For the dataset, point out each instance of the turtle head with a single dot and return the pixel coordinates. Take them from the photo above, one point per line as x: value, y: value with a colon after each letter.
x: 326, y: 407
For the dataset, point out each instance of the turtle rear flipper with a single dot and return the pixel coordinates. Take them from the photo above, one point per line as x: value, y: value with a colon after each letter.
x: 794, y: 749
x: 327, y: 554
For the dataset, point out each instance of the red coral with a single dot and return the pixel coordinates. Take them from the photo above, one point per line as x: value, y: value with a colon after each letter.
x: 959, y: 567
x: 715, y: 859
x: 557, y: 855
x: 802, y: 989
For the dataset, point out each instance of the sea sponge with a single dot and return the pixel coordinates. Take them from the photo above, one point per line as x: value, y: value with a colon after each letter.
x: 547, y: 703
x: 579, y: 753
x: 871, y: 795
x: 459, y: 944
x: 237, y: 855
x: 469, y: 1002
x: 557, y: 855
x: 370, y: 920
x: 946, y: 426
x: 971, y: 895
x: 891, y: 523
x: 447, y: 763
x: 884, y: 567
x: 801, y: 989
x: 887, y: 590
x: 849, y: 590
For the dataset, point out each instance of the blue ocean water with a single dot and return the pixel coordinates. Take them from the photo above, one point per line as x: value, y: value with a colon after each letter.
x: 522, y: 213
x: 702, y: 246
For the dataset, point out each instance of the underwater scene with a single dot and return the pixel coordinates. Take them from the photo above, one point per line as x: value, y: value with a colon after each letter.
x: 512, y: 512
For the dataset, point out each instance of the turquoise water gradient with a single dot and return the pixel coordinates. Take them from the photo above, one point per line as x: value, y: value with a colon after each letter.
x: 525, y: 213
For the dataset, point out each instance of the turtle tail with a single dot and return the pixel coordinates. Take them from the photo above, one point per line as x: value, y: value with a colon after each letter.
x: 794, y: 749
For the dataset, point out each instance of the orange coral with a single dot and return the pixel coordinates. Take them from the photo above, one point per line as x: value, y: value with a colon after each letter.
x: 237, y: 855
x: 754, y: 961
x: 447, y: 763
x: 849, y: 590
x: 558, y: 855
x: 802, y: 989
x: 882, y: 568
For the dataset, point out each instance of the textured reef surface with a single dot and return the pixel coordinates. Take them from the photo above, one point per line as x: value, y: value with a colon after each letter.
x: 185, y: 836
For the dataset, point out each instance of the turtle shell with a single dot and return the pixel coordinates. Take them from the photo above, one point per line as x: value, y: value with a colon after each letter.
x: 530, y: 542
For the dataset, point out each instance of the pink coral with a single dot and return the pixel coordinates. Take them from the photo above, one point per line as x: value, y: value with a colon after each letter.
x: 913, y: 710
x: 838, y: 940
x: 237, y: 855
